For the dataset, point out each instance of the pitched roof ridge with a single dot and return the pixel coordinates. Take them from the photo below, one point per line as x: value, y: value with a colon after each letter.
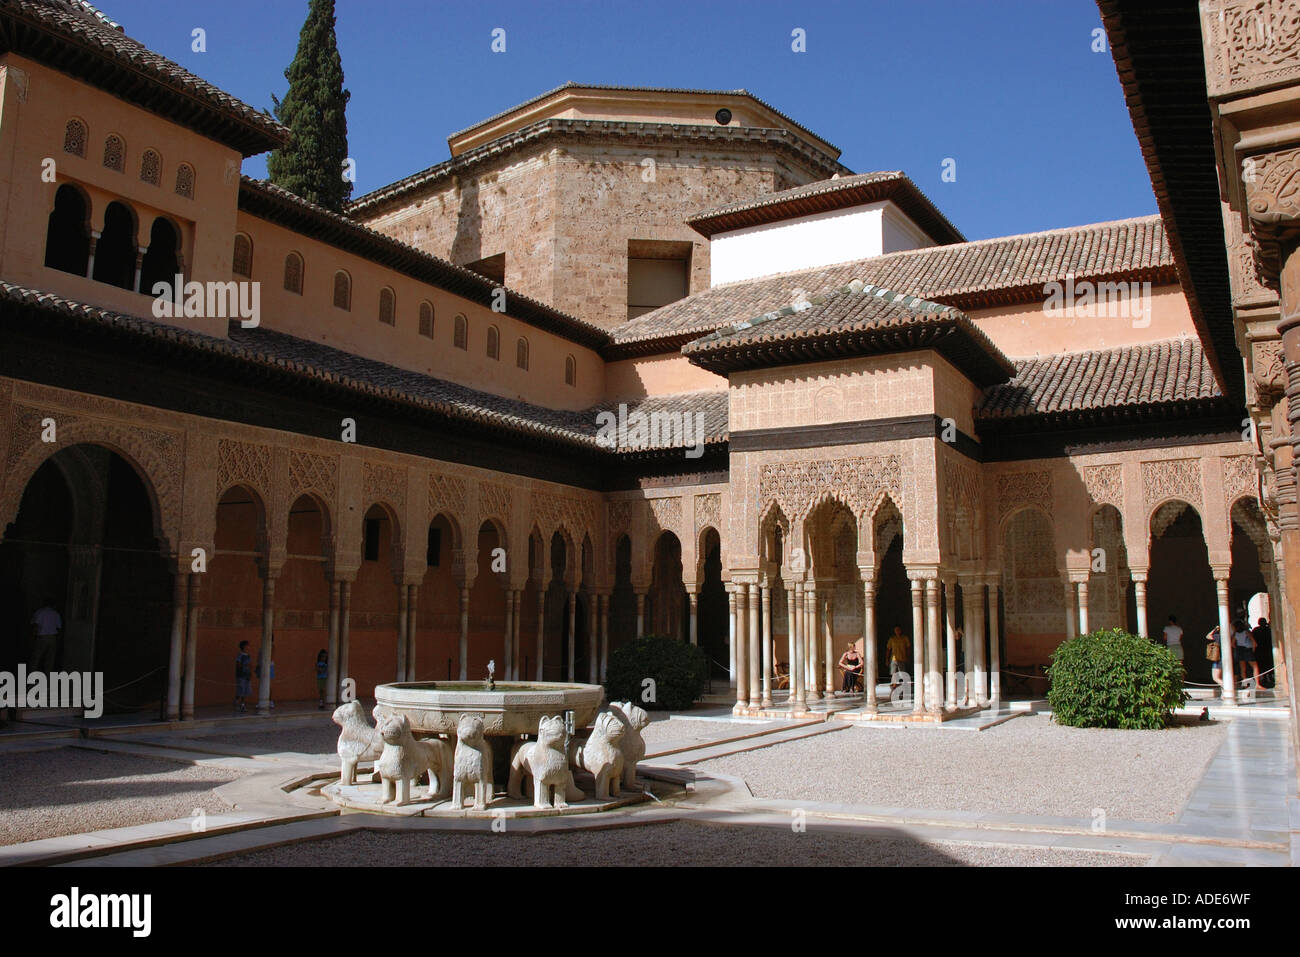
x: 830, y: 184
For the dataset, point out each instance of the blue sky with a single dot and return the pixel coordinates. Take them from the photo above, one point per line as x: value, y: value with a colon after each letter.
x: 1012, y: 91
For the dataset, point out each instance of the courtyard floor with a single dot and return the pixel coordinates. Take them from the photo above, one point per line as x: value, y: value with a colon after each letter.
x: 1018, y: 793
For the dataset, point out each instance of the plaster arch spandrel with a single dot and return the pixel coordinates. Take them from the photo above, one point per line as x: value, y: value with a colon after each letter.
x: 156, y: 454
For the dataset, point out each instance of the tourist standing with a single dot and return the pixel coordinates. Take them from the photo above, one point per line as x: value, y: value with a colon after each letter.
x: 243, y: 676
x: 1174, y: 638
x: 322, y: 675
x: 899, y: 651
x: 1264, y: 639
x: 1243, y: 649
x: 46, y: 625
x: 1213, y: 653
x: 851, y: 665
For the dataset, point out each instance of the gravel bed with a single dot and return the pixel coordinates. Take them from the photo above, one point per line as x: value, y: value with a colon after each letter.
x: 676, y: 844
x: 313, y: 739
x: 687, y: 730
x: 1026, y: 766
x: 72, y: 790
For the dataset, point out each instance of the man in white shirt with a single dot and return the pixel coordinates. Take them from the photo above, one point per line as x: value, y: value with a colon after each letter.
x: 46, y: 625
x: 1174, y: 637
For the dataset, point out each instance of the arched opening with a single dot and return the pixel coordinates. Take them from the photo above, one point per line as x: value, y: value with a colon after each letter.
x: 387, y: 307
x: 493, y: 342
x: 487, y: 604
x: 116, y: 250
x: 342, y: 290
x: 426, y: 319
x: 1252, y: 554
x: 667, y: 612
x: 372, y: 649
x: 570, y: 370
x: 67, y: 237
x: 460, y: 332
x: 893, y: 591
x: 293, y: 273
x: 241, y: 262
x: 162, y: 259
x: 231, y: 599
x: 1180, y: 583
x: 438, y: 616
x: 85, y: 541
x: 556, y: 626
x: 521, y: 354
x: 622, y: 601
x: 831, y: 532
x: 711, y: 625
x: 302, y: 600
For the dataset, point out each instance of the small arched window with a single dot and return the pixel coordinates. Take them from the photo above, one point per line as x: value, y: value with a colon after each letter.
x: 342, y: 290
x: 74, y: 138
x: 293, y: 273
x: 387, y: 307
x: 67, y: 237
x: 185, y: 181
x: 460, y: 334
x: 493, y: 343
x: 570, y: 370
x: 114, y: 152
x: 426, y: 319
x: 242, y: 262
x: 151, y: 167
x: 521, y: 354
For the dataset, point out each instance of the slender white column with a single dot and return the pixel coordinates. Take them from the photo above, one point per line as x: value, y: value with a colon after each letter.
x: 1229, y: 670
x: 604, y: 636
x: 973, y: 600
x: 766, y: 602
x: 464, y: 632
x: 332, y: 649
x: 918, y: 646
x: 176, y: 651
x: 798, y: 682
x: 191, y: 646
x: 811, y: 632
x: 640, y: 614
x: 593, y: 639
x: 412, y: 612
x: 870, y: 667
x: 995, y: 651
x: 934, y: 695
x: 402, y: 648
x: 573, y: 629
x: 792, y: 636
x: 950, y: 610
x: 345, y: 630
x: 731, y: 631
x: 1140, y: 599
x: 267, y: 651
x: 508, y: 652
x: 1071, y: 613
x: 742, y: 668
x: 514, y: 638
x: 755, y: 650
x: 828, y: 629
x: 541, y: 630
x: 694, y: 598
x: 1083, y: 606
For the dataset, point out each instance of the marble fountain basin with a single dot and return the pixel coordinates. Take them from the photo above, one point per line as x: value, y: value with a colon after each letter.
x: 511, y: 708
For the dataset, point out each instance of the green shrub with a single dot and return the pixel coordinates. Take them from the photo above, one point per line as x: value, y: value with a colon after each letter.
x: 678, y: 668
x: 1111, y: 679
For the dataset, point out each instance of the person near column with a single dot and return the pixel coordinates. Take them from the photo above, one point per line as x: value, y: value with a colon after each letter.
x: 1174, y: 637
x: 1212, y: 655
x: 1243, y: 647
x: 1264, y: 639
x: 851, y: 664
x: 46, y: 625
x: 322, y: 676
x: 243, y: 676
x: 899, y: 651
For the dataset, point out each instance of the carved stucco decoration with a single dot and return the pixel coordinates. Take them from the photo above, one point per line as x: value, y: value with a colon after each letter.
x: 858, y: 481
x: 1247, y: 289
x: 1105, y: 485
x: 708, y: 512
x: 577, y: 516
x: 1272, y: 183
x: 620, y: 518
x: 245, y: 463
x: 446, y: 494
x: 1251, y: 44
x: 666, y: 514
x: 1016, y: 489
x: 1175, y: 479
x: 963, y: 508
x: 158, y: 453
x: 309, y: 472
x: 494, y: 501
x: 1268, y: 366
x: 384, y: 483
x: 1239, y: 478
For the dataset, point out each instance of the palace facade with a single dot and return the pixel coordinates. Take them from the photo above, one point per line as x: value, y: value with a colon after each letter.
x: 840, y: 416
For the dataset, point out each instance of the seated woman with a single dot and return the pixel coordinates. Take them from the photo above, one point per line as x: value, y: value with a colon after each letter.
x: 851, y: 665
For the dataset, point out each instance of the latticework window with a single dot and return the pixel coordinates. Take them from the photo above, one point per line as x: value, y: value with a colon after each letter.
x: 74, y: 138
x: 342, y: 290
x: 426, y: 319
x: 242, y: 264
x: 185, y: 181
x: 460, y: 335
x: 387, y: 307
x: 151, y: 168
x: 493, y: 343
x: 293, y: 273
x: 114, y: 152
x: 521, y: 354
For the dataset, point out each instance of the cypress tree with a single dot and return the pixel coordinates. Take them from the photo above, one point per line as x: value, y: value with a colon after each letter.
x: 315, y: 109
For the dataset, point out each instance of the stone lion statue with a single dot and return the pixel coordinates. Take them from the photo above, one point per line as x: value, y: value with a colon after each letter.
x: 473, y: 763
x: 601, y: 756
x: 634, y: 719
x: 545, y: 762
x: 358, y: 741
x: 404, y: 759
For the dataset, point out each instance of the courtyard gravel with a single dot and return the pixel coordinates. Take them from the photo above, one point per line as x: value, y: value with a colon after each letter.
x: 52, y: 793
x: 1028, y: 765
x: 662, y: 845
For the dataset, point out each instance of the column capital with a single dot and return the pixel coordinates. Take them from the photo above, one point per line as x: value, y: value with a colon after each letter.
x: 1138, y: 574
x: 1221, y: 573
x: 923, y: 573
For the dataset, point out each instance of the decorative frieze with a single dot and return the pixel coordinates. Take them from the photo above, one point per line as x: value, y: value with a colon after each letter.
x: 245, y: 463
x: 494, y: 501
x: 309, y: 472
x: 1251, y: 44
x: 1016, y: 489
x: 798, y: 486
x: 446, y: 494
x: 384, y: 483
x: 666, y: 515
x: 708, y: 512
x: 1105, y: 485
x: 1239, y: 478
x: 1177, y: 478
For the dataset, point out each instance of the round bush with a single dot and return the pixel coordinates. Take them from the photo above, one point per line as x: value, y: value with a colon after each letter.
x: 677, y: 668
x: 1112, y: 679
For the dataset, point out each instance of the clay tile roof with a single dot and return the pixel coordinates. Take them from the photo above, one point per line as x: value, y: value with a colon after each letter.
x: 859, y: 319
x: 75, y: 37
x: 988, y: 272
x: 1171, y: 374
x: 830, y: 194
x: 708, y: 410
